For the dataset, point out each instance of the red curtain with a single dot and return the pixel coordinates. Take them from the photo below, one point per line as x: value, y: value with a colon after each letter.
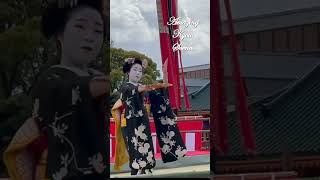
x: 242, y: 105
x: 217, y: 93
x: 218, y: 103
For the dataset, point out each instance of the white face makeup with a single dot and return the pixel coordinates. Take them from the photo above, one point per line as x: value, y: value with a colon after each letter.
x: 135, y: 73
x: 82, y: 37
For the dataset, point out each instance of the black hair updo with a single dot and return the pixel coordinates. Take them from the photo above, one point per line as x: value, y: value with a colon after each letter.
x: 55, y: 18
x: 129, y: 63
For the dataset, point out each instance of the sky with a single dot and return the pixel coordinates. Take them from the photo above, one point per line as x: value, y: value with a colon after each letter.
x: 134, y: 26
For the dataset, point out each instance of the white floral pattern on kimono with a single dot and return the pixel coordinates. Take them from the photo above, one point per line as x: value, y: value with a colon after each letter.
x: 137, y: 131
x: 60, y: 99
x: 170, y: 140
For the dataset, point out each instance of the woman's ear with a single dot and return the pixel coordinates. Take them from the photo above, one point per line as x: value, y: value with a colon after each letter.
x: 60, y: 39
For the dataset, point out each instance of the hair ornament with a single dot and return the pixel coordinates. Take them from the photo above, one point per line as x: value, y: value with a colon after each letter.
x: 129, y: 60
x: 65, y: 3
x: 145, y: 63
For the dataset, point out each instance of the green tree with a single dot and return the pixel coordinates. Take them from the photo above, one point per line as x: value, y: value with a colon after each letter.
x: 25, y: 54
x: 24, y: 51
x: 117, y: 77
x: 117, y: 59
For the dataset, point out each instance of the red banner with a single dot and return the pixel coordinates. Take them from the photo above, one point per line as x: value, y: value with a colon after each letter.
x: 193, y: 123
x: 170, y: 60
x: 172, y: 7
x: 242, y: 105
x: 217, y: 93
x: 178, y: 59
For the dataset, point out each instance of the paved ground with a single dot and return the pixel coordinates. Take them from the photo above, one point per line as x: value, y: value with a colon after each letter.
x: 183, y: 162
x: 198, y: 171
x: 192, y: 166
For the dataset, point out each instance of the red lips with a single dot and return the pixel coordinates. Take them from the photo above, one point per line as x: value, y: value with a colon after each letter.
x: 87, y: 48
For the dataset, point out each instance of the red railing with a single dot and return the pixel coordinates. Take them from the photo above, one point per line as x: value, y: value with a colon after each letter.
x: 191, y: 129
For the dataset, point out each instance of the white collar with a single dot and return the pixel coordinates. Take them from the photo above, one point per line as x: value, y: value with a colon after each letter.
x: 136, y: 84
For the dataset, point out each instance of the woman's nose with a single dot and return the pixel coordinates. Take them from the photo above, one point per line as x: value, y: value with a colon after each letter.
x: 88, y: 37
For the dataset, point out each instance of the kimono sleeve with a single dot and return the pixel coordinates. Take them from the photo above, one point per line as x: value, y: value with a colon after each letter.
x: 44, y: 100
x: 128, y: 92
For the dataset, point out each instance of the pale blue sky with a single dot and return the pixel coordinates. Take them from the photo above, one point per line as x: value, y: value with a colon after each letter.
x: 134, y: 26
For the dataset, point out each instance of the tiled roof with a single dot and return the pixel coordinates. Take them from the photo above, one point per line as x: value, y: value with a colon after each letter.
x: 195, y: 82
x: 272, y: 66
x: 290, y: 119
x: 267, y: 66
x: 262, y: 8
x: 271, y: 14
x: 195, y: 68
x: 274, y: 21
x: 255, y: 66
x: 199, y: 100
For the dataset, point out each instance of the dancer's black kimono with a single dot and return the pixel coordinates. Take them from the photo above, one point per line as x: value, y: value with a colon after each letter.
x: 169, y: 137
x: 137, y: 133
x: 75, y: 124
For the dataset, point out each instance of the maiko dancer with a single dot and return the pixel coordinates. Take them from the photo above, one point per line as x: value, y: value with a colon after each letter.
x: 133, y: 134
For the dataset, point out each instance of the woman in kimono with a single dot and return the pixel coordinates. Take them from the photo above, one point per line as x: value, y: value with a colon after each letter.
x: 135, y: 133
x: 66, y: 136
x: 135, y: 127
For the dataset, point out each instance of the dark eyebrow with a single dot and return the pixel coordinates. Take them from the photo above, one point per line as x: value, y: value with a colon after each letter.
x: 85, y: 20
x: 82, y: 19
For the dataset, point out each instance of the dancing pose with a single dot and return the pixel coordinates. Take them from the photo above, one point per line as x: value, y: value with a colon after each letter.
x: 135, y: 139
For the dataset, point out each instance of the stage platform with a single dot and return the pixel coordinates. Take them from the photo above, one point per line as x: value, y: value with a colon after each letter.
x: 196, y: 164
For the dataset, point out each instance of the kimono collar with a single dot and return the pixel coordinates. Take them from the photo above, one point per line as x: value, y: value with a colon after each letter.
x: 75, y: 70
x: 136, y: 84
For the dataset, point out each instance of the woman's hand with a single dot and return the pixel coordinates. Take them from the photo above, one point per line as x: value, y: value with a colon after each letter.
x: 98, y: 86
x: 142, y: 88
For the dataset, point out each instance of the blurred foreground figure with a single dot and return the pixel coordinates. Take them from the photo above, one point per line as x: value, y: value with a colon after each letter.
x: 66, y: 136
